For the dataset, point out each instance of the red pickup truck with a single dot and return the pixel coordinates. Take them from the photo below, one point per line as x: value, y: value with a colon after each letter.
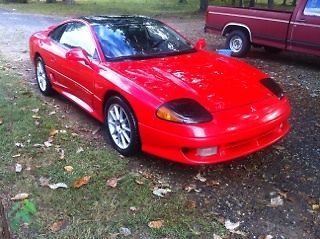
x: 275, y: 30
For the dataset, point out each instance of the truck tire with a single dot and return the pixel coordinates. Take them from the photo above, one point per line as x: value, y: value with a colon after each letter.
x: 272, y: 50
x: 238, y: 42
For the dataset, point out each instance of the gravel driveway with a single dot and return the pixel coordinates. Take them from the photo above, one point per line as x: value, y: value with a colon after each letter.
x: 287, y: 173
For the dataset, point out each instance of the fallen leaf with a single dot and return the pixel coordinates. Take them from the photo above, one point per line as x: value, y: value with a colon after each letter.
x: 19, y: 145
x: 16, y: 156
x: 191, y: 204
x: 58, y: 226
x: 47, y: 144
x: 230, y: 225
x: 79, y: 150
x: 68, y: 168
x: 212, y: 183
x: 53, y: 132
x: 161, y: 192
x: 134, y: 209
x: 96, y: 131
x: 35, y: 110
x: 112, y: 182
x: 156, y: 224
x: 192, y: 187
x: 200, y: 178
x: 20, y: 196
x: 36, y: 117
x: 43, y: 181
x: 125, y: 231
x: 18, y: 168
x: 38, y: 145
x: 315, y: 207
x: 57, y: 185
x: 139, y: 182
x: 52, y: 113
x: 276, y: 201
x: 215, y: 236
x: 61, y: 151
x: 1, y: 121
x: 81, y: 182
x: 278, y: 147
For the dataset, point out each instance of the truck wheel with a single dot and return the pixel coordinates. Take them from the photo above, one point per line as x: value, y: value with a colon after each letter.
x: 238, y: 42
x: 272, y: 50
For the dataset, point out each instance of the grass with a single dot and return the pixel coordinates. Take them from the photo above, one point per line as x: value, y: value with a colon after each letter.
x: 94, y: 210
x: 140, y: 7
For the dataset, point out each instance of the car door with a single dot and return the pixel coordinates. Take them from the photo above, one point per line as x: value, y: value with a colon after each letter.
x: 305, y: 29
x: 78, y: 77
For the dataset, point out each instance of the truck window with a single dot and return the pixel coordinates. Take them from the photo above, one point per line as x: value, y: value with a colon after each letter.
x: 312, y: 8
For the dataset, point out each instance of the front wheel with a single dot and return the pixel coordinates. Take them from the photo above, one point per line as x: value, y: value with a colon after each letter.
x: 121, y: 126
x: 238, y: 42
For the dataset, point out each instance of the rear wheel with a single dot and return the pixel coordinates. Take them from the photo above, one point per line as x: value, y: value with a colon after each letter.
x: 42, y: 77
x: 238, y: 42
x: 121, y: 126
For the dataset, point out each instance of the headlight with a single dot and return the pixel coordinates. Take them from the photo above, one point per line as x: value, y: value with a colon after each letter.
x: 273, y: 86
x: 185, y: 111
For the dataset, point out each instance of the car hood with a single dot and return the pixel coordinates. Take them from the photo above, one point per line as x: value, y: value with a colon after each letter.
x: 217, y: 82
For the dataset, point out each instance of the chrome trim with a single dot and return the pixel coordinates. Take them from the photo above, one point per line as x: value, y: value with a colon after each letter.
x: 239, y: 25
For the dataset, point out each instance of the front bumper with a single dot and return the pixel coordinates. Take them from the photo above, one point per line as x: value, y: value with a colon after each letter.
x: 245, y: 137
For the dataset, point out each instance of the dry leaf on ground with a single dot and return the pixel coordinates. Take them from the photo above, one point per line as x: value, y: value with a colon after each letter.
x: 276, y: 201
x: 1, y: 121
x: 57, y: 185
x: 18, y: 168
x: 58, y: 225
x: 68, y: 168
x: 231, y: 225
x: 81, y: 182
x: 156, y: 224
x: 200, y: 178
x: 112, y: 182
x: 20, y: 196
x: 191, y: 204
x: 79, y: 150
x: 161, y: 192
x: 35, y: 110
x: 43, y: 181
x: 16, y: 156
x: 53, y: 132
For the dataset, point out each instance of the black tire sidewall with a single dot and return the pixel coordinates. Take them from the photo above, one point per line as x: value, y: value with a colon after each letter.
x: 134, y: 146
x: 245, y: 42
x: 48, y: 91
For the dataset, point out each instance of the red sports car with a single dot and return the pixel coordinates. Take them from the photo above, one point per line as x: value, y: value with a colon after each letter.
x: 156, y: 92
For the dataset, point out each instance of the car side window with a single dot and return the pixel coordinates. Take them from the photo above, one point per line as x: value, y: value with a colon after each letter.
x: 77, y: 35
x: 312, y: 8
x: 57, y: 33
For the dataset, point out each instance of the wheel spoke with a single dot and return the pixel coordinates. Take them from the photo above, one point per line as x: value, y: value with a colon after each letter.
x: 126, y: 136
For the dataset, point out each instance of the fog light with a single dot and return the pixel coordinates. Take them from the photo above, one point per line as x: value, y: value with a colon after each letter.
x: 205, y: 152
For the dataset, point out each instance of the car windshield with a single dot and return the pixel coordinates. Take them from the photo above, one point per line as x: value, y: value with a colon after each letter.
x: 140, y: 41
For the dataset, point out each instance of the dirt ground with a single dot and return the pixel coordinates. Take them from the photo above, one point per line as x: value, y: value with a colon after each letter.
x: 241, y: 190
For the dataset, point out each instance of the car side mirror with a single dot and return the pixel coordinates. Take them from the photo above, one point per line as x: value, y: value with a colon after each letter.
x: 78, y: 54
x: 201, y: 44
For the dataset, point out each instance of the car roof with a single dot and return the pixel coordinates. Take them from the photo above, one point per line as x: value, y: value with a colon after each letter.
x: 118, y: 20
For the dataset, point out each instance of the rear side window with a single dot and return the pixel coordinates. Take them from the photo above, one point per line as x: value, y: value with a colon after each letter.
x: 312, y: 8
x: 57, y: 33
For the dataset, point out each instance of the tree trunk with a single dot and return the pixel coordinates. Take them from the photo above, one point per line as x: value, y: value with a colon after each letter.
x: 252, y: 3
x: 69, y: 2
x: 294, y: 2
x: 50, y: 1
x: 270, y: 4
x: 284, y: 2
x: 182, y: 1
x: 204, y: 5
x: 3, y: 223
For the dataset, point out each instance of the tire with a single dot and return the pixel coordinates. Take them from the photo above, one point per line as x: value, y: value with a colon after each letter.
x: 272, y: 50
x: 121, y: 126
x: 238, y: 42
x: 43, y: 81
